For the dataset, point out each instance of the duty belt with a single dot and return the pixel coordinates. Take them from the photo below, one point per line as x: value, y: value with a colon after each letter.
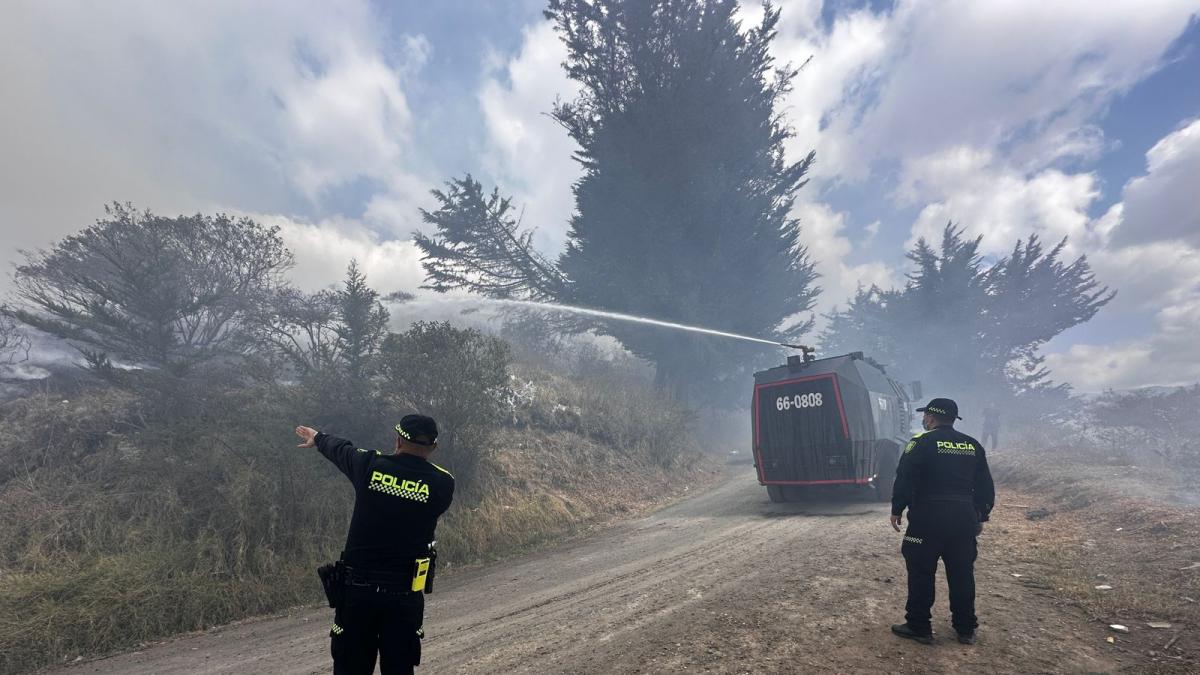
x: 366, y: 577
x: 948, y: 498
x: 418, y: 578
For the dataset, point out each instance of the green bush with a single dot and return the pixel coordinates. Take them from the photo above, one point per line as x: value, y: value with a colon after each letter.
x: 459, y: 377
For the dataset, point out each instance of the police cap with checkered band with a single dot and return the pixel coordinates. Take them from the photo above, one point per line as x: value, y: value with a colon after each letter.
x: 418, y: 429
x: 941, y: 406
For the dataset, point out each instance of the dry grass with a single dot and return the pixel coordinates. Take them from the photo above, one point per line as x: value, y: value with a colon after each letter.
x: 548, y: 485
x: 1119, y: 526
x: 113, y: 534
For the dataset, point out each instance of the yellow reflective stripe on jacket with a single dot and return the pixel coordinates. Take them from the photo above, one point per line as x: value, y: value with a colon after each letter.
x: 912, y: 443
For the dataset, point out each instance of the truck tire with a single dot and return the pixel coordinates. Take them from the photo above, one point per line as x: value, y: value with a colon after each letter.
x: 885, y: 477
x: 776, y: 493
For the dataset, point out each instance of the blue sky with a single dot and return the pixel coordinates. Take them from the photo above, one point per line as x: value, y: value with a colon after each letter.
x: 333, y: 121
x: 1133, y: 122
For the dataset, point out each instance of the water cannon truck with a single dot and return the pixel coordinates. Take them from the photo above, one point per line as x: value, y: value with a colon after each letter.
x: 830, y: 421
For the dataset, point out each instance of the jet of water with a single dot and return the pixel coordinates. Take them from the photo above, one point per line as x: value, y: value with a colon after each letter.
x: 618, y: 316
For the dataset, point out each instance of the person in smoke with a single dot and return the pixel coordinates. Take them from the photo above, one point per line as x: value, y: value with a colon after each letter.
x: 944, y: 482
x: 378, y: 586
x: 991, y: 426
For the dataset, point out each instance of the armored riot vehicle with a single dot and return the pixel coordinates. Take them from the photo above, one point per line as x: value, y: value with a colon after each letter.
x: 832, y: 421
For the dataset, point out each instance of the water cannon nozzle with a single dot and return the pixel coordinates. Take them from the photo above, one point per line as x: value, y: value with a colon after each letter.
x: 806, y: 350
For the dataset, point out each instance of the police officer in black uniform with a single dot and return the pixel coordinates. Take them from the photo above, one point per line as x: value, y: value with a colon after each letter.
x: 386, y: 565
x: 944, y: 482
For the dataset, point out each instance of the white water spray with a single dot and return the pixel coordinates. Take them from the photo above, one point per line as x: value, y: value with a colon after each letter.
x: 618, y: 316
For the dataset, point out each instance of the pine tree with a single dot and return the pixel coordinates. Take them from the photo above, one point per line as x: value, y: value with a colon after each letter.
x: 362, y: 326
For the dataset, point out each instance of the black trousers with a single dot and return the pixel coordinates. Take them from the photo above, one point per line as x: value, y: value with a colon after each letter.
x: 992, y: 434
x: 944, y: 530
x: 373, y: 620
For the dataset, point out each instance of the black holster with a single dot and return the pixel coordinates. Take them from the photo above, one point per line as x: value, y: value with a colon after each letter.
x: 333, y: 580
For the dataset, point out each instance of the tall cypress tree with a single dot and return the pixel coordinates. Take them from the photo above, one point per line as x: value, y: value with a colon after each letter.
x: 970, y: 329
x: 682, y: 212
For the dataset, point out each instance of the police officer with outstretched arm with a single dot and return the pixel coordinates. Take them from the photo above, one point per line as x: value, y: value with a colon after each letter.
x: 378, y: 587
x: 944, y: 482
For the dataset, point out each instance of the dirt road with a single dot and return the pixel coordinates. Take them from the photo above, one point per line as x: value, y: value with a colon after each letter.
x: 723, y: 582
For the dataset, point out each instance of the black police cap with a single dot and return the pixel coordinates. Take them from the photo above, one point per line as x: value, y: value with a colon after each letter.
x: 941, y: 406
x: 419, y: 429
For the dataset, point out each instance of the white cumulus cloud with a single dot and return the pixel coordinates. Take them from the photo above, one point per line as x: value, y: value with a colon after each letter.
x: 261, y: 107
x: 527, y: 152
x: 826, y: 92
x: 1159, y: 273
x: 1164, y: 204
x: 1167, y: 357
x: 823, y: 233
x: 1026, y: 73
x: 323, y: 250
x: 965, y: 185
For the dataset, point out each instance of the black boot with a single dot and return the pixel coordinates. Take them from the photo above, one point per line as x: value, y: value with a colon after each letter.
x: 906, y: 631
x: 967, y: 638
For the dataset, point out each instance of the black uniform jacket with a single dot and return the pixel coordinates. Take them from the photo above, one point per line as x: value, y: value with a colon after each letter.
x: 943, y: 465
x: 397, y: 501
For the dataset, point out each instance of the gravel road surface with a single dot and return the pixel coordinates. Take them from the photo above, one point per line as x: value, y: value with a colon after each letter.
x: 723, y: 582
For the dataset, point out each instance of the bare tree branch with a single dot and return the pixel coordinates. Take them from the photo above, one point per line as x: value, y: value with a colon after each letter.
x: 14, y: 342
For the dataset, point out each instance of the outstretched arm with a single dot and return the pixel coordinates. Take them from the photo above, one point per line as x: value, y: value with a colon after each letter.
x: 337, y: 450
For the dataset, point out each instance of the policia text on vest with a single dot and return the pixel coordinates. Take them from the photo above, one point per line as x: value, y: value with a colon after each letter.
x: 388, y: 564
x: 944, y: 482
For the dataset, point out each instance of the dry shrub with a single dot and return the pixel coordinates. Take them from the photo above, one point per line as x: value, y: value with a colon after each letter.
x: 110, y: 538
x: 1151, y: 425
x: 505, y: 520
x: 47, y: 430
x: 541, y: 486
x: 626, y: 416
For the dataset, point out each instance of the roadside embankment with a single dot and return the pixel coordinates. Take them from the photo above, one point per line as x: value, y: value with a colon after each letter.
x: 722, y: 582
x: 1118, y: 540
x: 114, y: 534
